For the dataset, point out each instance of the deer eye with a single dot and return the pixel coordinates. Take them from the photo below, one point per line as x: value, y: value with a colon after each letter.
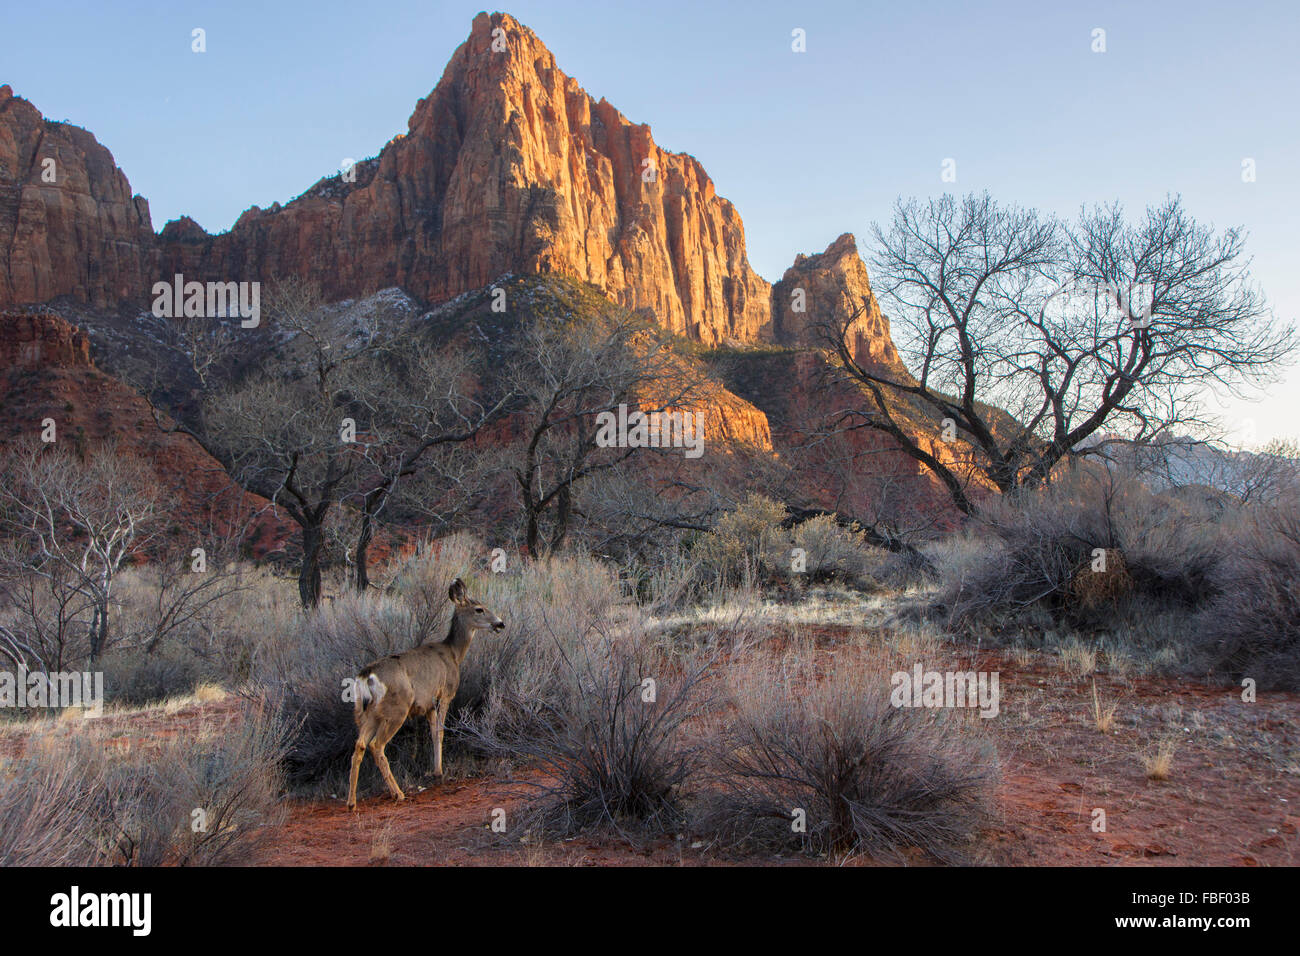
x: 480, y: 610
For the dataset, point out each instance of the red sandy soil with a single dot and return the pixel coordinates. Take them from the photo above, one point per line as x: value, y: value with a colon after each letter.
x: 1231, y: 799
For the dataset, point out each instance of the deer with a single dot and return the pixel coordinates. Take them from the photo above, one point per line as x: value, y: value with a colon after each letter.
x: 421, y: 682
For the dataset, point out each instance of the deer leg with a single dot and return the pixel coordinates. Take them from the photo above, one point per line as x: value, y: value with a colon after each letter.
x: 377, y: 751
x: 358, y: 754
x: 436, y: 721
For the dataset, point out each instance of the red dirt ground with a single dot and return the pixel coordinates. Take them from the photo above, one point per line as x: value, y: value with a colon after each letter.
x: 1232, y: 797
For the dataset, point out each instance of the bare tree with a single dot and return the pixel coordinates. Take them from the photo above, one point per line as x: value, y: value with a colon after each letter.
x: 338, y: 417
x: 67, y: 526
x: 1069, y: 329
x: 565, y: 375
x: 416, y: 400
x: 286, y: 432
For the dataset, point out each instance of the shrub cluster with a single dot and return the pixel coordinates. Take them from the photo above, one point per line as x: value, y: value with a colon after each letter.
x: 1083, y: 549
x: 827, y: 765
x: 206, y: 801
x: 758, y: 543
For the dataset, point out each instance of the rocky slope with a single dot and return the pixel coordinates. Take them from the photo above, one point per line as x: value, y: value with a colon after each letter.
x: 46, y: 372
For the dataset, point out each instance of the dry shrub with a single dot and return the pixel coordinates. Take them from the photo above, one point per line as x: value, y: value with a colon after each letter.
x: 79, y: 799
x: 745, y: 545
x: 44, y: 803
x: 1036, y: 550
x: 614, y: 748
x: 835, y: 553
x: 870, y: 777
x: 1104, y: 582
x: 754, y: 545
x: 1253, y: 628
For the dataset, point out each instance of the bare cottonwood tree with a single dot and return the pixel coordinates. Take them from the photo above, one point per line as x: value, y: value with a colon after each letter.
x: 1071, y: 329
x: 563, y: 375
x: 416, y: 400
x: 282, y: 432
x: 341, y: 416
x: 67, y: 527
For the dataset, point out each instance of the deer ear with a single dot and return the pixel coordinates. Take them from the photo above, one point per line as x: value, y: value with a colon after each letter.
x: 457, y: 591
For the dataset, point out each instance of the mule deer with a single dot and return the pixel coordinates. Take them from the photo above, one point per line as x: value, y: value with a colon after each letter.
x: 421, y: 682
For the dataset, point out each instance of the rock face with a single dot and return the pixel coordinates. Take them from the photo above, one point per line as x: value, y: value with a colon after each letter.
x: 69, y: 224
x: 832, y: 288
x: 33, y: 341
x: 508, y: 166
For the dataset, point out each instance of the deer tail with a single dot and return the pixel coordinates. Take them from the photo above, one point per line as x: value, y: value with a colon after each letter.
x: 370, y: 689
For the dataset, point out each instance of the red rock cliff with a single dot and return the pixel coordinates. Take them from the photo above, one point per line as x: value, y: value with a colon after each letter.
x: 70, y: 226
x: 507, y: 166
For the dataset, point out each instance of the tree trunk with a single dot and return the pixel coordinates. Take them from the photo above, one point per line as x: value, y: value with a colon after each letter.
x: 98, y: 630
x: 362, y: 580
x: 563, y: 509
x: 309, y: 573
x: 532, y: 536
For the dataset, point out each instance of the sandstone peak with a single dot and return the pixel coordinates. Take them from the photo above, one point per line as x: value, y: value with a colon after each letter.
x: 508, y: 166
x: 182, y: 229
x: 828, y: 288
x: 844, y: 247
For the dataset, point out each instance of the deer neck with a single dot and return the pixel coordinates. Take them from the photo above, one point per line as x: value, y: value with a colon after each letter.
x: 459, y: 637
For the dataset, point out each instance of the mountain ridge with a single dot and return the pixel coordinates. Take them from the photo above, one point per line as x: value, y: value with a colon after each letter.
x: 507, y: 166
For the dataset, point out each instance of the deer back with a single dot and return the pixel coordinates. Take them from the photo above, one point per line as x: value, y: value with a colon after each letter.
x: 422, y: 676
x: 435, y: 674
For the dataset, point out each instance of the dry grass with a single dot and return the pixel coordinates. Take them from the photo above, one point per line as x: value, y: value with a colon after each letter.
x: 1103, y: 720
x: 82, y: 794
x: 381, y: 846
x: 209, y: 693
x: 1077, y: 660
x: 1159, y: 763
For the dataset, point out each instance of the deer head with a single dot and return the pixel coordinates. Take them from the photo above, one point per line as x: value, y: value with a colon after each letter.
x: 471, y: 614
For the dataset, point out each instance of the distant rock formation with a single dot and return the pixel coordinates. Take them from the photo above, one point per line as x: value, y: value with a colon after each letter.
x: 508, y: 166
x: 832, y: 289
x: 69, y: 224
x: 41, y: 340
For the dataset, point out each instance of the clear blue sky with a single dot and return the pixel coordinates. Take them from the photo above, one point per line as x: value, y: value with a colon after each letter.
x: 806, y: 145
